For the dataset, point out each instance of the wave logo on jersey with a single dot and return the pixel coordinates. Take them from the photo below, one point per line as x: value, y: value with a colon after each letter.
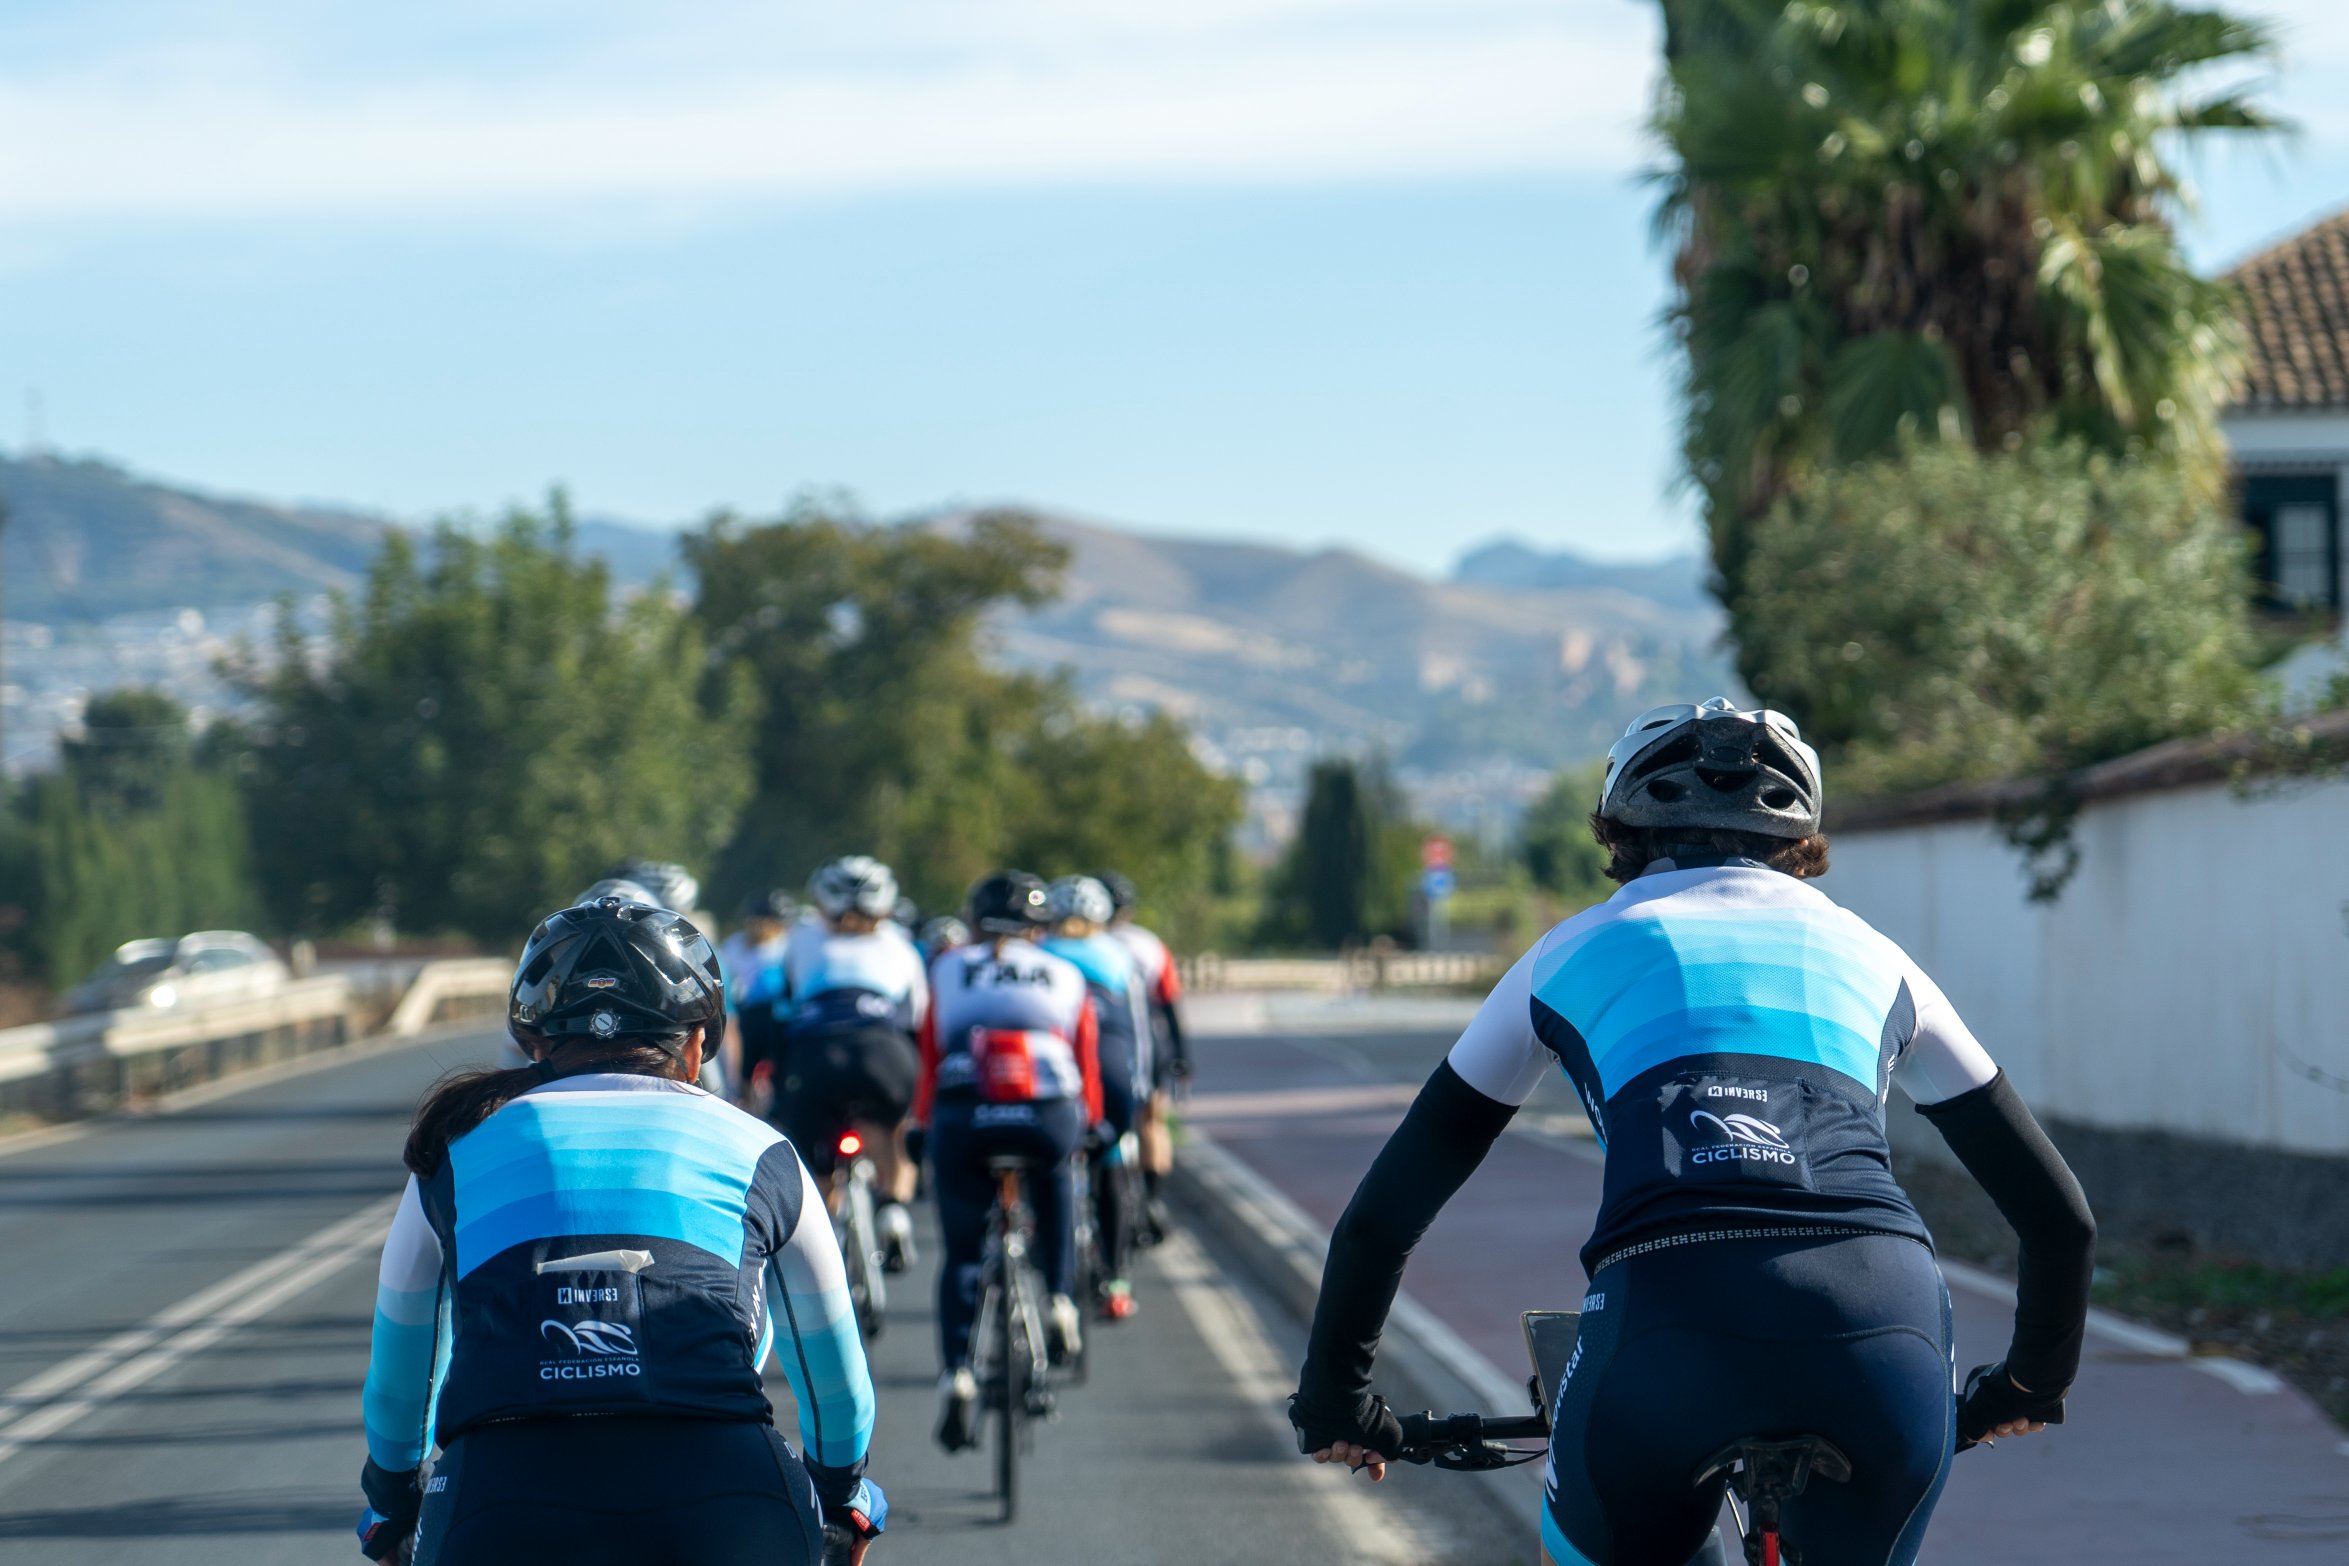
x: 1747, y: 1139
x: 609, y: 1338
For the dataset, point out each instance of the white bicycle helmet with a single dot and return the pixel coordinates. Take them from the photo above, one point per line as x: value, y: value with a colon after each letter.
x: 858, y: 883
x: 1078, y: 897
x: 614, y: 886
x: 672, y: 886
x: 1711, y: 766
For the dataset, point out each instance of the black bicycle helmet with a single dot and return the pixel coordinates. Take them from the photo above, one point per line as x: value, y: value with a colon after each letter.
x: 1713, y: 766
x: 612, y: 969
x: 1122, y: 895
x: 1008, y: 902
x: 775, y: 904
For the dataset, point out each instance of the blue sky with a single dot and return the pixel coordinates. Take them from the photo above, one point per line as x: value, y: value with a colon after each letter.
x: 1361, y: 271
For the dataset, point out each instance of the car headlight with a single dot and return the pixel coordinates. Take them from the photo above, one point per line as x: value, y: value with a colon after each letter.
x: 162, y: 995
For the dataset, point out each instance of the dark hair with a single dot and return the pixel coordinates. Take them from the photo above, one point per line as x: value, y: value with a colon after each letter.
x: 463, y: 1099
x: 1632, y: 849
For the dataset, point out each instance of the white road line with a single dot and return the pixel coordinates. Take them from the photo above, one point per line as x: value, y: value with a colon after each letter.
x: 2249, y: 1379
x: 139, y: 1354
x: 1360, y: 1526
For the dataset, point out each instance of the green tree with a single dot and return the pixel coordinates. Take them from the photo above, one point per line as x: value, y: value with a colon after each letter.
x: 131, y: 836
x: 1901, y: 219
x: 1348, y: 875
x: 1946, y: 616
x: 884, y: 730
x: 482, y: 731
x: 1555, y: 842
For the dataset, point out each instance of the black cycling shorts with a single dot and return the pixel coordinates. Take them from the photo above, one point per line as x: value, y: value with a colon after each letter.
x: 1688, y: 1348
x: 842, y: 1077
x: 628, y: 1490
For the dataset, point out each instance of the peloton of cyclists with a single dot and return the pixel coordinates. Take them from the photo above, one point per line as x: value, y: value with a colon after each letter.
x: 856, y: 994
x: 1010, y: 1067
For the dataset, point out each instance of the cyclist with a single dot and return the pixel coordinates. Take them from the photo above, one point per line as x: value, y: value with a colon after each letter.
x: 1755, y: 1269
x: 584, y: 1278
x: 1079, y: 909
x: 1170, y: 1051
x: 857, y: 995
x: 942, y: 935
x: 752, y: 960
x: 1010, y: 1068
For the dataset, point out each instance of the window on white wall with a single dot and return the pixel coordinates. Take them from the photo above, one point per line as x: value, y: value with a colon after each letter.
x: 2296, y: 520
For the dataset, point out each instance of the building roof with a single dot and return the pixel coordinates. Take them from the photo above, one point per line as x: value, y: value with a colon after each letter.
x: 2296, y: 305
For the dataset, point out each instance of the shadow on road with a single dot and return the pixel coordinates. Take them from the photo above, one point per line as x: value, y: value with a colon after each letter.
x: 179, y: 1516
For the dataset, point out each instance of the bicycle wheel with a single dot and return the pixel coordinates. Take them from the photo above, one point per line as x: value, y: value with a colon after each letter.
x: 1012, y: 1361
x: 865, y: 1285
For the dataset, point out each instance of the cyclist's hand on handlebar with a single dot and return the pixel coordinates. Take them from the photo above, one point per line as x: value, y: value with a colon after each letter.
x: 1363, y: 1436
x: 1994, y: 1404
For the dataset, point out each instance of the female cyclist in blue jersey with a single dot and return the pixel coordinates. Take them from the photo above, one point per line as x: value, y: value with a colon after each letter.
x: 1080, y: 910
x: 589, y: 1268
x: 1755, y: 1270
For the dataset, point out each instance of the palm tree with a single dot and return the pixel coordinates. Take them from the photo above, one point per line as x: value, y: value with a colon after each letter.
x: 1938, y: 219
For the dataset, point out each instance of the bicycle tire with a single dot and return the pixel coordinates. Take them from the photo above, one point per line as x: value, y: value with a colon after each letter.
x: 865, y: 1286
x: 1013, y: 1365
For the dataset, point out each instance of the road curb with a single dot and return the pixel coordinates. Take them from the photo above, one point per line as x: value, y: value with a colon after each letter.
x: 1420, y: 1359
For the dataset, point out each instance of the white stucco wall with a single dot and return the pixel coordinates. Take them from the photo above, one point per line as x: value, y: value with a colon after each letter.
x: 2201, y: 950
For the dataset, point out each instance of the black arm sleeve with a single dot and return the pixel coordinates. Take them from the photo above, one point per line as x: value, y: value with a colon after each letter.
x: 1449, y: 1129
x: 1178, y: 1047
x: 1991, y: 1130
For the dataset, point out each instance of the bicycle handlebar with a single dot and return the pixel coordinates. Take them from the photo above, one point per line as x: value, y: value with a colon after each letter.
x: 1469, y: 1441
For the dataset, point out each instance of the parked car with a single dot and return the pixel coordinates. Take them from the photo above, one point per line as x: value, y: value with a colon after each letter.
x: 195, y: 970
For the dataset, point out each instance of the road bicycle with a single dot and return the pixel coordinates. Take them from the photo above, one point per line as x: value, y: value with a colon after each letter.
x: 1008, y: 1353
x: 1761, y: 1473
x: 858, y: 1225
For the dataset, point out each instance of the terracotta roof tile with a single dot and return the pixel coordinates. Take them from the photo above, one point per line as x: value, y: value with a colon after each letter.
x: 2296, y: 305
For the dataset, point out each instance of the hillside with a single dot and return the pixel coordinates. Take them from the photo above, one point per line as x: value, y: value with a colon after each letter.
x: 86, y: 540
x: 1476, y: 687
x: 1250, y: 642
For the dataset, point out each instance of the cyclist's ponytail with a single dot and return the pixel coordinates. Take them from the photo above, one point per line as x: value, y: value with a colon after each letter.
x: 464, y: 1099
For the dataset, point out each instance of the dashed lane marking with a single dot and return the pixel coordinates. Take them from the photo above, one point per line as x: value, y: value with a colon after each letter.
x: 35, y: 1409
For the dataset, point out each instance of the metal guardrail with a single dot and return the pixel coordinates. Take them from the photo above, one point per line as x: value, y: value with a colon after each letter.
x: 78, y: 1065
x: 1211, y: 971
x: 449, y: 979
x: 73, y: 1042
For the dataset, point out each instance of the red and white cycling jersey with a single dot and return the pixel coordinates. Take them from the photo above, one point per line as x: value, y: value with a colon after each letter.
x: 1159, y: 979
x: 1015, y: 1026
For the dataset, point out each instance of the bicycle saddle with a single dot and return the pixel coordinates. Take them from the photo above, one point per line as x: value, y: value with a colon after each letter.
x: 1772, y: 1470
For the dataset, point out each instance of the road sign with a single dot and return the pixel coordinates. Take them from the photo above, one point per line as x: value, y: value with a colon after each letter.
x: 1435, y: 883
x: 1435, y: 852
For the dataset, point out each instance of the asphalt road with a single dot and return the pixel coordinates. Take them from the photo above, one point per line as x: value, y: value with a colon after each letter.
x: 2164, y: 1459
x: 183, y: 1331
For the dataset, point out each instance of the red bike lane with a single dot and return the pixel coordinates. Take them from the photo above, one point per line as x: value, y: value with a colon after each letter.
x: 2164, y: 1459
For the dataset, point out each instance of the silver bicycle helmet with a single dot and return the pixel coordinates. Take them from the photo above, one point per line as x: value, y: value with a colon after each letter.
x: 857, y: 883
x: 617, y: 886
x: 672, y: 886
x: 1713, y: 766
x: 1078, y: 897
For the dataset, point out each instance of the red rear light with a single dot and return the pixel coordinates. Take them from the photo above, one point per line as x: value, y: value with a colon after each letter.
x: 851, y: 1144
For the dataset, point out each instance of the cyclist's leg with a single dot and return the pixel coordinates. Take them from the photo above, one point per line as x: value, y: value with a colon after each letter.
x: 1059, y: 1130
x: 1875, y: 1380
x: 958, y: 1158
x: 891, y: 1067
x: 1113, y: 1219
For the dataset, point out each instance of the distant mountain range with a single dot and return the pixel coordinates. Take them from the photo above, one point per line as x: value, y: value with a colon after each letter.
x: 1523, y: 661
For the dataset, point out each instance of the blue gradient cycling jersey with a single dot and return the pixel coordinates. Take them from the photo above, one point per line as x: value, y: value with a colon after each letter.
x: 1121, y: 1000
x: 753, y: 970
x: 838, y: 979
x: 1733, y: 1035
x: 611, y: 1244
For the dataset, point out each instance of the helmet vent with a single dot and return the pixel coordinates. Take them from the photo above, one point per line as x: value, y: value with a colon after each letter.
x: 1724, y: 780
x: 1665, y: 791
x: 1672, y: 753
